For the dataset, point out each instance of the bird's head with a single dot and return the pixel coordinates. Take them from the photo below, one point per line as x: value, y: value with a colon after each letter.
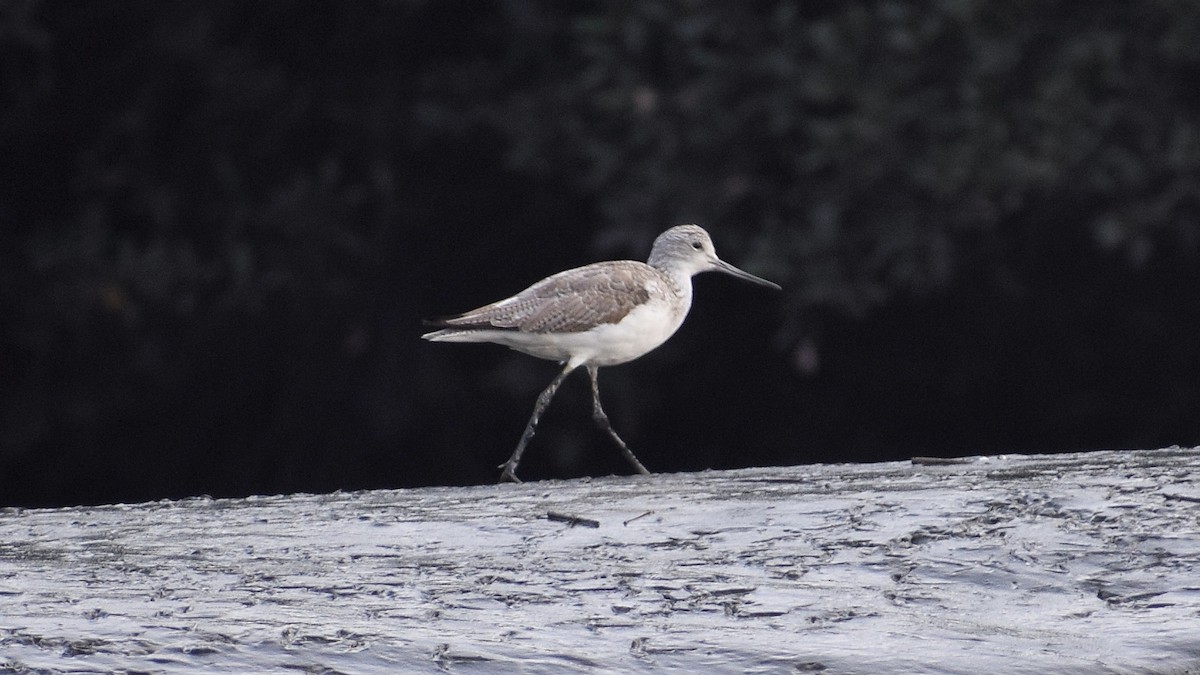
x: 689, y: 249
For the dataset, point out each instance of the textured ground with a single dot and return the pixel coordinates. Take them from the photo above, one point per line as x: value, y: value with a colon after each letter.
x: 1084, y: 563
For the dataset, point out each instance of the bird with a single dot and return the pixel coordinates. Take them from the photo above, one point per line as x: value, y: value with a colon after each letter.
x: 598, y: 315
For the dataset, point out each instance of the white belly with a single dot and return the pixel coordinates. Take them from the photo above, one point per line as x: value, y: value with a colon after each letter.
x: 642, y: 329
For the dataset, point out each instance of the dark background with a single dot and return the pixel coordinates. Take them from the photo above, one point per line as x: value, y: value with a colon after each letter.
x: 221, y: 223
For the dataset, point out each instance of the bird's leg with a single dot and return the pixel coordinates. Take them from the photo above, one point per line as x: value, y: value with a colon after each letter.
x: 509, y: 469
x: 602, y: 420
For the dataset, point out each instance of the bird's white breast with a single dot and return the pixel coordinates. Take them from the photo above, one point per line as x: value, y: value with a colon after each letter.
x: 643, y: 328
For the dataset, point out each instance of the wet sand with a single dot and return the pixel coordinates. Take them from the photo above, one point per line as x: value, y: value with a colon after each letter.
x: 1076, y: 563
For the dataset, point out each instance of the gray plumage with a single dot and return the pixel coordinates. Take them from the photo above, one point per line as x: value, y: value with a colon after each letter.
x: 568, y: 302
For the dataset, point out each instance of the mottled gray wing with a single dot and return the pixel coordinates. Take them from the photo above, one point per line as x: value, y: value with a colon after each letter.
x: 568, y: 302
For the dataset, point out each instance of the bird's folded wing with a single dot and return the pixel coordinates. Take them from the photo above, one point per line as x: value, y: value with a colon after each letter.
x: 571, y: 301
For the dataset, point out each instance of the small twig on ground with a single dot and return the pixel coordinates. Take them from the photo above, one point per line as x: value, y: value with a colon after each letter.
x: 636, y: 517
x: 935, y: 461
x: 572, y: 521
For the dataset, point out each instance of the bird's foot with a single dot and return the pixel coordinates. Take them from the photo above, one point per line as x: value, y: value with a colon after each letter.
x: 508, y: 473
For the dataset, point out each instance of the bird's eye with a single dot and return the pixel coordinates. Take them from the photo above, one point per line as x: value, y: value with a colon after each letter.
x: 697, y: 245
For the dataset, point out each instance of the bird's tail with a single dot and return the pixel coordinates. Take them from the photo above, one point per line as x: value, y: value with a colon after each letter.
x: 452, y: 335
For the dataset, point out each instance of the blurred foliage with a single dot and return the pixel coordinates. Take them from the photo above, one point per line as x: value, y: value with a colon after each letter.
x: 869, y: 148
x: 220, y: 221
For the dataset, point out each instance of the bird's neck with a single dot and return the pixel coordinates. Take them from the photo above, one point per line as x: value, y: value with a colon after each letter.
x: 680, y: 283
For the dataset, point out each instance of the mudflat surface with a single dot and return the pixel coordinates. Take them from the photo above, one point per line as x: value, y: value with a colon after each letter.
x: 1079, y: 563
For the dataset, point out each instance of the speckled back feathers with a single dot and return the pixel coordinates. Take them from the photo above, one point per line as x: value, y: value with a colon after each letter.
x: 572, y: 301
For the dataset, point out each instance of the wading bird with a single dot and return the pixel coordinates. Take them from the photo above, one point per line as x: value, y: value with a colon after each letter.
x: 596, y: 315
